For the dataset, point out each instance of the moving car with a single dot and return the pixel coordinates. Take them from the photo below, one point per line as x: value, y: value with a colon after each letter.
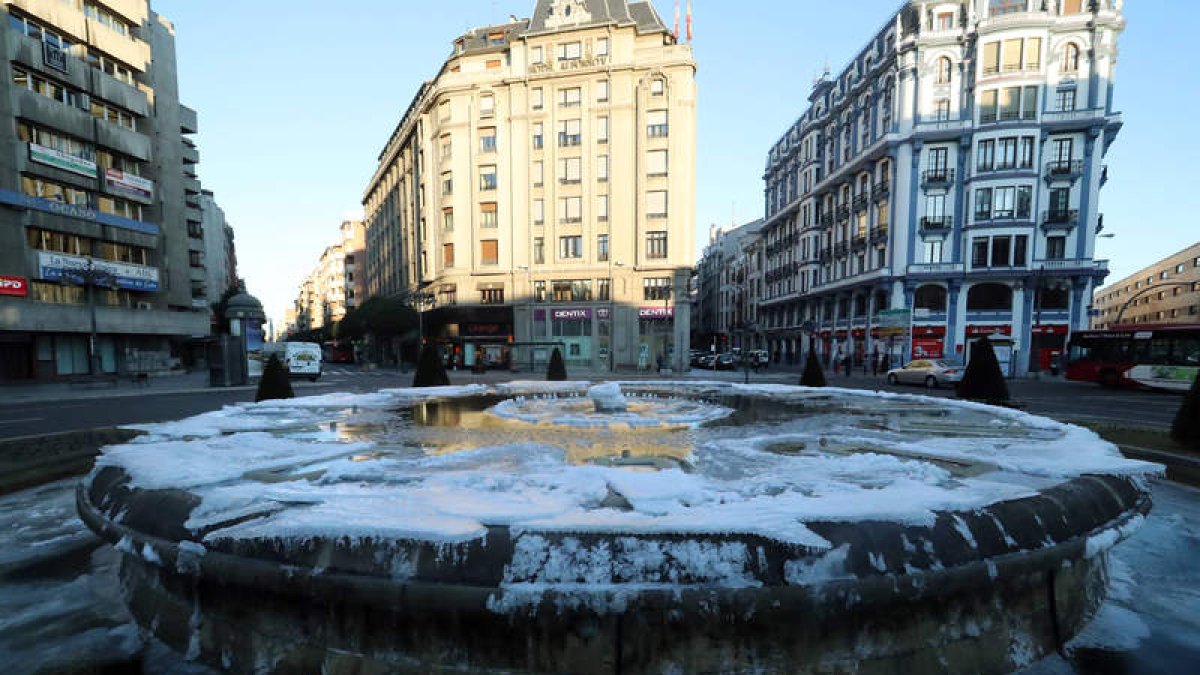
x: 931, y: 373
x: 302, y: 359
x: 726, y: 361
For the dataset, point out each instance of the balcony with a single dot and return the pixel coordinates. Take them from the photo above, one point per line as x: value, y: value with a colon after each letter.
x: 826, y: 256
x: 879, y: 235
x: 826, y: 220
x: 937, y: 178
x: 1064, y: 171
x: 881, y: 191
x: 936, y: 223
x: 935, y: 268
x: 841, y: 249
x: 1060, y: 116
x: 860, y: 203
x: 1072, y: 264
x: 1060, y: 219
x: 843, y: 212
x: 859, y: 242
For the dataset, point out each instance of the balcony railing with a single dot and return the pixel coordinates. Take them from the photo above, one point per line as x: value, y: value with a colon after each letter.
x: 859, y: 241
x: 1060, y: 219
x: 860, y: 202
x: 1061, y: 264
x: 1064, y: 170
x: 936, y: 177
x: 936, y: 268
x: 929, y: 223
x: 843, y: 212
x: 881, y: 191
x: 879, y: 234
x: 826, y: 219
x: 841, y: 249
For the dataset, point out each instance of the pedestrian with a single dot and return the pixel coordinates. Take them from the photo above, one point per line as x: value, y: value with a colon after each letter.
x: 847, y: 363
x: 875, y: 363
x: 837, y: 360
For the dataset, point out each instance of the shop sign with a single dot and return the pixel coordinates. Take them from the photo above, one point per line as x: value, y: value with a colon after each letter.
x: 604, y: 314
x: 989, y: 330
x: 484, y: 329
x: 656, y: 313
x: 929, y: 331
x: 840, y: 333
x: 571, y: 314
x: 927, y: 348
x: 1049, y: 330
x: 61, y: 160
x: 858, y: 333
x: 24, y: 201
x: 54, y: 57
x: 118, y: 182
x: 55, y: 266
x: 16, y: 286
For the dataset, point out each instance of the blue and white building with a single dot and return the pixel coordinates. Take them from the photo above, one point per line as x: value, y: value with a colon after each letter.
x: 953, y: 169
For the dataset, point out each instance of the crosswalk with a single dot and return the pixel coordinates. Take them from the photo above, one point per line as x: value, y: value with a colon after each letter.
x: 342, y: 372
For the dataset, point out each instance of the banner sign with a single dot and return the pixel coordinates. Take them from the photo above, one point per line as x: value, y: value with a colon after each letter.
x: 656, y: 313
x: 55, y: 266
x: 61, y: 160
x: 118, y: 182
x: 14, y: 286
x: 25, y: 201
x: 604, y: 314
x: 975, y: 330
x: 571, y: 314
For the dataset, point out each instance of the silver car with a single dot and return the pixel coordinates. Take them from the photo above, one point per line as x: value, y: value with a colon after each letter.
x: 931, y: 373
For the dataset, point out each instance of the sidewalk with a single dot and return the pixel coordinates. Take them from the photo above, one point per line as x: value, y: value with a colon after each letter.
x: 157, y: 385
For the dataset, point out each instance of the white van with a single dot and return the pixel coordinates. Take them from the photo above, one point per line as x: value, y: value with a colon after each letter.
x: 302, y: 359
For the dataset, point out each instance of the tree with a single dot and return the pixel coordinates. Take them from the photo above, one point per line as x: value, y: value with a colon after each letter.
x: 1186, y: 429
x: 983, y: 379
x: 557, y: 372
x: 813, y: 376
x: 431, y: 372
x: 274, y: 383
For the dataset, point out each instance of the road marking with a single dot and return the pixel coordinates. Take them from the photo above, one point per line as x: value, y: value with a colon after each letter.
x: 27, y: 419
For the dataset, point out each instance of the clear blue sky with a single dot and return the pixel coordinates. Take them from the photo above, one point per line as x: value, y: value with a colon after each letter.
x: 297, y: 97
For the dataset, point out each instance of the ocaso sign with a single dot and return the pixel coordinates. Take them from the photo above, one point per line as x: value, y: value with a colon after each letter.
x: 13, y: 286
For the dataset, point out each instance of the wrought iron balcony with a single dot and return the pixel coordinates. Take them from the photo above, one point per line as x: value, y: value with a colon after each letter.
x: 826, y: 220
x: 1060, y: 219
x: 934, y: 223
x: 860, y: 202
x: 841, y: 249
x: 881, y: 191
x: 843, y: 212
x: 879, y: 234
x: 1064, y: 170
x: 859, y: 241
x: 937, y: 178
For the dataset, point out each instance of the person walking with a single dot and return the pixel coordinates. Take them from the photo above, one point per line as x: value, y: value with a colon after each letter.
x: 837, y: 360
x: 847, y: 363
x: 875, y: 363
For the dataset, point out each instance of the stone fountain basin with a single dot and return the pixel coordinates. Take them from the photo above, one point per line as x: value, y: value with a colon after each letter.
x: 982, y: 589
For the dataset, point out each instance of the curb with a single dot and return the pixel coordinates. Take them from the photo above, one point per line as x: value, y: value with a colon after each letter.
x: 1180, y: 468
x: 29, y: 461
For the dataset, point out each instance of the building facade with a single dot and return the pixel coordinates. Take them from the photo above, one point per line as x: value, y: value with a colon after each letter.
x: 335, y: 285
x: 539, y: 191
x: 945, y: 185
x: 102, y: 257
x: 220, y: 253
x: 730, y: 277
x: 1167, y: 292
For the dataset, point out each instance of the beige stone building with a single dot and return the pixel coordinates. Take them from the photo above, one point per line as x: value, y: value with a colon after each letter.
x: 1167, y: 292
x: 335, y: 285
x: 540, y: 191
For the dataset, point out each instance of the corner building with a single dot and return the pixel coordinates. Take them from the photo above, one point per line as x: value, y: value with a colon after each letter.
x: 98, y: 193
x: 541, y: 188
x: 953, y: 169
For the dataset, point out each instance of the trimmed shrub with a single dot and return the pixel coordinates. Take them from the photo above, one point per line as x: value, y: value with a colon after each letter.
x: 812, y: 376
x: 431, y: 372
x: 274, y: 383
x: 557, y: 372
x: 983, y: 380
x: 1186, y: 429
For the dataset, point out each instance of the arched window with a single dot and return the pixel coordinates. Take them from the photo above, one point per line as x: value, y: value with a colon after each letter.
x: 989, y: 298
x: 1070, y: 62
x: 943, y: 70
x: 930, y: 297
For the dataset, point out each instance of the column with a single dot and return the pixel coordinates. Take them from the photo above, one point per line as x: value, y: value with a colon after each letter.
x: 953, y: 291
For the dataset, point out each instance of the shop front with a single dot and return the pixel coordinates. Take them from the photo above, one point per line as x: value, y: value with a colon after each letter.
x: 572, y: 327
x: 656, y: 336
x: 1047, y: 344
x: 1000, y: 335
x: 928, y: 342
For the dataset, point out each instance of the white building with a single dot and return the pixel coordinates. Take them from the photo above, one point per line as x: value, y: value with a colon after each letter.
x: 953, y: 169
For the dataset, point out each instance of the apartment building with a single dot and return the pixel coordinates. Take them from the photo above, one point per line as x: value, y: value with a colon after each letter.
x: 951, y: 170
x: 102, y: 257
x: 1167, y: 292
x: 220, y: 251
x: 729, y: 289
x: 335, y: 285
x: 539, y: 191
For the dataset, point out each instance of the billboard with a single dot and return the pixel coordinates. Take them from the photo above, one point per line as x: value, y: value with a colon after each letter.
x: 55, y: 266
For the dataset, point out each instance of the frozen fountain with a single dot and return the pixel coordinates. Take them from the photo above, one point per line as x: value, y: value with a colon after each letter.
x: 689, y: 527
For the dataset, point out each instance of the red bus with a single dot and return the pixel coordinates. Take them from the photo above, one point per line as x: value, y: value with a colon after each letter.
x: 337, y: 351
x: 1159, y: 356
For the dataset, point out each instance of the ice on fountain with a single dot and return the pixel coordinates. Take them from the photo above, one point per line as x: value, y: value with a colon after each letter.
x: 608, y: 398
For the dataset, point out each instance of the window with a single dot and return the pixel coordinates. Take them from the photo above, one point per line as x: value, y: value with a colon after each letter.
x: 493, y: 64
x: 999, y: 251
x: 657, y: 86
x: 656, y: 288
x: 602, y: 249
x: 602, y: 130
x: 56, y: 192
x: 106, y: 18
x: 943, y: 71
x: 1060, y: 203
x: 991, y: 58
x: 656, y: 124
x: 1033, y: 53
x: 570, y: 98
x: 570, y: 210
x: 985, y: 155
x: 487, y: 214
x: 1163, y: 275
x: 537, y: 136
x: 487, y: 140
x: 656, y: 162
x: 602, y: 47
x: 489, y: 252
x: 447, y: 255
x: 1064, y: 100
x: 447, y: 148
x: 487, y: 178
x: 656, y: 244
x: 602, y: 91
x: 537, y: 173
x: 539, y: 211
x: 1070, y: 62
x: 539, y: 293
x: 1026, y: 152
x: 602, y: 208
x: 1072, y: 7
x: 602, y: 168
x: 933, y: 251
x: 1029, y: 103
x: 1007, y: 157
x: 656, y: 204
x: 535, y: 55
x: 539, y: 251
x: 536, y: 98
x: 1179, y: 269
x: 570, y: 170
x: 569, y: 134
x: 987, y: 106
x: 491, y: 296
x: 937, y: 164
x: 1011, y: 55
x: 945, y: 21
x: 448, y: 220
x: 570, y: 51
x: 570, y: 247
x: 603, y: 290
x: 487, y: 105
x: 983, y: 204
x: 941, y: 109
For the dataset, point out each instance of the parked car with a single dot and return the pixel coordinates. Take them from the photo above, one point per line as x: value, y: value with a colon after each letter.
x: 726, y: 361
x: 931, y: 373
x: 708, y: 361
x: 302, y: 359
x: 760, y: 358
